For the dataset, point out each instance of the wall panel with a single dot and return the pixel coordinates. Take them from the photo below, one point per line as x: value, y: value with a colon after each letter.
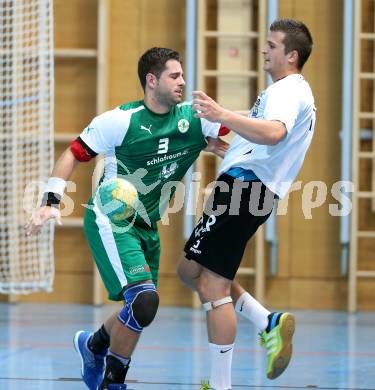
x: 137, y: 25
x: 124, y: 50
x: 75, y: 24
x: 75, y: 94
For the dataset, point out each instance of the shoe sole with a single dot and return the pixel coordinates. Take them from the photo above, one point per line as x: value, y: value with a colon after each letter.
x: 282, y: 359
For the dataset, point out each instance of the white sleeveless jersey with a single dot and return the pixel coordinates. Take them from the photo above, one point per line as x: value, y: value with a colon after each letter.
x: 291, y: 102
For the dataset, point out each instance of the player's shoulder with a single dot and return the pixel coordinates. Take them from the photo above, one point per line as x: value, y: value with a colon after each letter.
x: 290, y: 82
x: 185, y: 111
x: 125, y: 112
x: 184, y: 108
x: 119, y: 116
x: 289, y: 86
x: 137, y: 105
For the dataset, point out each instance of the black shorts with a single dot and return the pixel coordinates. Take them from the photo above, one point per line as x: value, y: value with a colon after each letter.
x: 231, y: 217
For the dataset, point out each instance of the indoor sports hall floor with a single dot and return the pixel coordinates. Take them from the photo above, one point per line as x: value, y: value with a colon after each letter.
x: 332, y: 350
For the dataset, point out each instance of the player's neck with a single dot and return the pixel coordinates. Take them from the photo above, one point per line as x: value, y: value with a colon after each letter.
x: 282, y: 75
x: 155, y: 106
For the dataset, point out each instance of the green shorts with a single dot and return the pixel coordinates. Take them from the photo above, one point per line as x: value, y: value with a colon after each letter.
x: 123, y: 254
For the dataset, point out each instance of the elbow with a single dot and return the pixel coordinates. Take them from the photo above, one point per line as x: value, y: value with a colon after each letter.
x: 274, y: 140
x: 277, y: 136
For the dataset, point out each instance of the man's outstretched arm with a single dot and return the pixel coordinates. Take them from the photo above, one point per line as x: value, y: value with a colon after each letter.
x: 259, y: 131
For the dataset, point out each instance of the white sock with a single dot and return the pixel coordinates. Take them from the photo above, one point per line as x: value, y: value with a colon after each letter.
x: 221, y: 366
x: 251, y: 309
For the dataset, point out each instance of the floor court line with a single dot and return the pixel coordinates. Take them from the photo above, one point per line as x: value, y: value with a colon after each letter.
x: 130, y: 382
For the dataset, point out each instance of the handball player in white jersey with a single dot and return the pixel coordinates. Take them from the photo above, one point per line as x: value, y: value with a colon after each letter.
x: 260, y: 165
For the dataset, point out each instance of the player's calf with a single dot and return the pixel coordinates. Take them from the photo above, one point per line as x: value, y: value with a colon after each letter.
x: 141, y: 305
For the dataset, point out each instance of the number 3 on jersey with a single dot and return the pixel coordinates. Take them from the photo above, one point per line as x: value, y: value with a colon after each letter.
x: 163, y: 145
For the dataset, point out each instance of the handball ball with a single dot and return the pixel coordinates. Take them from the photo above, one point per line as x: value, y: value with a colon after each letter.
x: 117, y: 198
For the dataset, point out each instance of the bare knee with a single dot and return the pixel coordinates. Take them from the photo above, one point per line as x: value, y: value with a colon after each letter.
x: 211, y: 287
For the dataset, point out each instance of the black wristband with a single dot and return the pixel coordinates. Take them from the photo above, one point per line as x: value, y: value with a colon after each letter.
x: 51, y: 199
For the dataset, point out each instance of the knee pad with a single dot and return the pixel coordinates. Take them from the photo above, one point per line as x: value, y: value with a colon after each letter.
x: 142, y: 302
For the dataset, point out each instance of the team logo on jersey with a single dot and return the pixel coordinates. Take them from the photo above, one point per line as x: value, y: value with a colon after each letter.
x: 168, y: 170
x: 146, y: 128
x: 183, y: 125
x: 254, y: 111
x: 257, y: 110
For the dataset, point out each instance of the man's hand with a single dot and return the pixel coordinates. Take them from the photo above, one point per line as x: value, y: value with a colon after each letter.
x: 207, y: 108
x: 216, y: 146
x: 40, y: 216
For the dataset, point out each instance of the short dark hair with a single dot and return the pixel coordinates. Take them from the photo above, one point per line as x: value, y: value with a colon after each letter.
x: 153, y: 61
x: 297, y: 37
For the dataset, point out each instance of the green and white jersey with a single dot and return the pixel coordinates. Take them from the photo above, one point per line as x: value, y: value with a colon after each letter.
x: 149, y: 149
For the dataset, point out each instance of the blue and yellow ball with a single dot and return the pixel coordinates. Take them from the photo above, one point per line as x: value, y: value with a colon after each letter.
x: 117, y: 198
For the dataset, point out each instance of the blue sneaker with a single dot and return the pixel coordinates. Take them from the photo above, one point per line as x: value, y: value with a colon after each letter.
x: 115, y: 386
x: 93, y: 366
